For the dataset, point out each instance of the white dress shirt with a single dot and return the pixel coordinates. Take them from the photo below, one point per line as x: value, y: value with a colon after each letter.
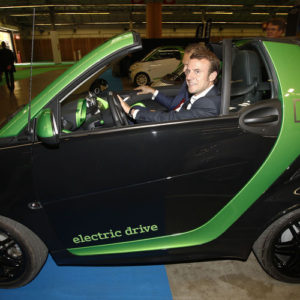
x: 194, y: 98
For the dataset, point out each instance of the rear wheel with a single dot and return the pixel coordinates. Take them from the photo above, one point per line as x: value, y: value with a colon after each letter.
x: 141, y: 79
x: 278, y: 248
x: 22, y: 254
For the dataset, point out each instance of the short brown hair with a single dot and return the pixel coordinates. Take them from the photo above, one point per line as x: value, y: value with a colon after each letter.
x: 204, y: 53
x: 277, y: 22
x: 194, y: 47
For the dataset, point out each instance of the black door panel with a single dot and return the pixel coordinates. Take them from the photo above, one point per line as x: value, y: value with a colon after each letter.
x: 175, y: 176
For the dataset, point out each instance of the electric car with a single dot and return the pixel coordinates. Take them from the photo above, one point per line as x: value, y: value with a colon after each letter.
x: 156, y: 64
x: 86, y: 185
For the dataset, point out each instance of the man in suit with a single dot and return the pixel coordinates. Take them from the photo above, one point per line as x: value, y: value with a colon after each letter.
x: 173, y: 103
x: 201, y: 75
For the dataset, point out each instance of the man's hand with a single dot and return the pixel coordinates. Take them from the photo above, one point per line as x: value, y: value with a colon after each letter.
x: 124, y: 105
x: 144, y: 89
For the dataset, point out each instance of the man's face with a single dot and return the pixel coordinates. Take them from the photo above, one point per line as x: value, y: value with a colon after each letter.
x: 185, y: 60
x: 197, y: 75
x: 273, y: 31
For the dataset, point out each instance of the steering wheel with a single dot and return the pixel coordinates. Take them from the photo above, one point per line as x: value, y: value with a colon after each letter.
x: 117, y: 111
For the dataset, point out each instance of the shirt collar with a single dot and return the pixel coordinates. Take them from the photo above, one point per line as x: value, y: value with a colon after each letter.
x: 202, y: 94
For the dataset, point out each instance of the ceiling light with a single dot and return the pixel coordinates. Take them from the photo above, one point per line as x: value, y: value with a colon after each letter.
x: 56, y: 24
x: 205, y: 5
x: 83, y: 13
x: 262, y: 13
x: 40, y: 5
x: 277, y: 6
x: 29, y: 15
x: 219, y: 13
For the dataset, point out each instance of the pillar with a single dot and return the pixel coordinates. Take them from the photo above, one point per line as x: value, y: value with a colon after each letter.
x: 153, y: 19
x: 55, y: 47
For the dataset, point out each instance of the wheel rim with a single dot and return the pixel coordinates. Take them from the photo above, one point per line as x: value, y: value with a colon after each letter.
x: 141, y: 79
x: 286, y: 250
x: 12, y: 263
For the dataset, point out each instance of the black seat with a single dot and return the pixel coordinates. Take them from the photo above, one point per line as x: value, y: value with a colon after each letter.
x: 246, y: 77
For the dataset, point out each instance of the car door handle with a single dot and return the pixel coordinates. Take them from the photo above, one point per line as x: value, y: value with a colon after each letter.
x: 261, y: 120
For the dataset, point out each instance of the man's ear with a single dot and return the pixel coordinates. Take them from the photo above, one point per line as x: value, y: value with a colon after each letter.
x: 212, y: 76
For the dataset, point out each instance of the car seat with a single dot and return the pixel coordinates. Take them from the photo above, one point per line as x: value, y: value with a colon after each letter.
x: 246, y: 77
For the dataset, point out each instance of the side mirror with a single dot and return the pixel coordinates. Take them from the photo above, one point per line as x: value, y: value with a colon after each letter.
x: 46, y: 128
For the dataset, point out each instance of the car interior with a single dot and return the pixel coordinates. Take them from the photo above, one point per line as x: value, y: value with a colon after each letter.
x: 99, y: 108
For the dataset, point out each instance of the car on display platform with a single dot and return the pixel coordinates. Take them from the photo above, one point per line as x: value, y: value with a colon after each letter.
x: 82, y: 182
x: 156, y: 64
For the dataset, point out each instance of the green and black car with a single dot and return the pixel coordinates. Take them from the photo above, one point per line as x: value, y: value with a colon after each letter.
x: 88, y: 186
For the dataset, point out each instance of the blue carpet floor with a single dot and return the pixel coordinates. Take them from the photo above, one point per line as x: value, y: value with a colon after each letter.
x: 55, y: 283
x: 72, y: 283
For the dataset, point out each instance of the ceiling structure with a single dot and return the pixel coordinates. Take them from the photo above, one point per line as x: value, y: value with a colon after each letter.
x: 76, y: 14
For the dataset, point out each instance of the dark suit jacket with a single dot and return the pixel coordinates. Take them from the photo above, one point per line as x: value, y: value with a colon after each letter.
x: 172, y: 102
x: 204, y: 107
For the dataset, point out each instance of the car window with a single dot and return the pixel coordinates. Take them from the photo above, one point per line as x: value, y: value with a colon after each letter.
x: 164, y: 54
x: 87, y: 107
x: 250, y: 81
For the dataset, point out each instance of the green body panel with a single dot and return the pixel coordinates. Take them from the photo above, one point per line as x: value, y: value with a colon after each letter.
x: 284, y: 152
x: 15, y: 125
x: 80, y: 112
x: 44, y: 124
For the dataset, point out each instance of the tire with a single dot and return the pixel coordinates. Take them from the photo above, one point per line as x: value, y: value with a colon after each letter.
x: 278, y: 248
x: 22, y: 254
x: 141, y: 79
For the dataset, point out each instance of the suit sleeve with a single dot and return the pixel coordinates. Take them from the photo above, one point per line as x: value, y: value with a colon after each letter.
x: 203, y: 108
x: 171, y: 102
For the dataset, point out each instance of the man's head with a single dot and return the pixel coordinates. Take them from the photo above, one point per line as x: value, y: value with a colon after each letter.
x: 202, y: 70
x: 3, y: 45
x: 275, y: 28
x: 188, y: 51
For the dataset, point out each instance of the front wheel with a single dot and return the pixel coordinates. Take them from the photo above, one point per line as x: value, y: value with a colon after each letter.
x: 278, y: 248
x: 141, y: 79
x: 22, y: 254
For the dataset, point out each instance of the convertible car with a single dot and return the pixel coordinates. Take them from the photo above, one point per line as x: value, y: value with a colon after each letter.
x: 84, y: 183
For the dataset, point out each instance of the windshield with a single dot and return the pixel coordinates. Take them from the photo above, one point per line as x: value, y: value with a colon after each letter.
x: 179, y: 70
x: 146, y: 58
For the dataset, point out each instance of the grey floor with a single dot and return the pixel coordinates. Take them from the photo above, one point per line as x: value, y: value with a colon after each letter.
x: 204, y: 280
x: 222, y: 280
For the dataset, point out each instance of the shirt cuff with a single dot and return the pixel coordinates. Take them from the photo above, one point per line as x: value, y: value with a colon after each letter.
x: 135, y: 113
x: 154, y: 94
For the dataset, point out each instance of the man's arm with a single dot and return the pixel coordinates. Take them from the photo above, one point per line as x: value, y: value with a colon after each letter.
x: 167, y: 101
x: 203, y: 108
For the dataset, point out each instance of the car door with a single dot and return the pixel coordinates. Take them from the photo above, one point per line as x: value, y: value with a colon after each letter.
x: 152, y: 186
